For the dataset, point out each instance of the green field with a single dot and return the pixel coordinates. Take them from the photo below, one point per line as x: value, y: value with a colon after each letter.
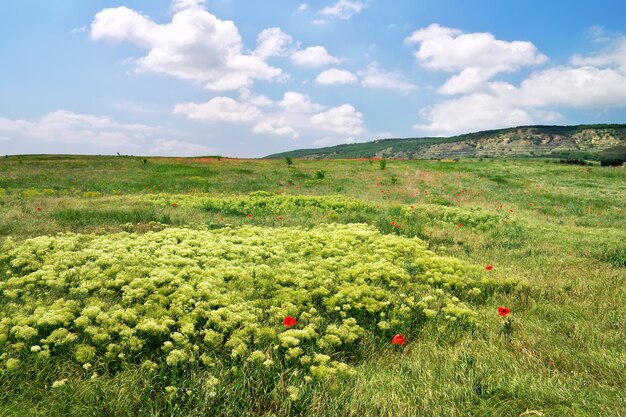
x: 159, y: 286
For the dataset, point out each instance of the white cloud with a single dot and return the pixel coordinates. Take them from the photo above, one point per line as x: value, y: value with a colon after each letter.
x: 342, y: 119
x: 473, y: 112
x: 477, y: 57
x: 319, y: 22
x: 500, y: 104
x: 265, y: 127
x: 195, y: 46
x: 74, y: 128
x: 336, y: 76
x: 375, y: 77
x: 332, y: 141
x: 223, y: 109
x: 343, y: 9
x: 295, y: 114
x: 272, y: 42
x: 294, y: 102
x: 452, y: 50
x: 614, y: 56
x: 78, y: 30
x: 584, y: 87
x: 313, y: 56
x: 303, y: 7
x: 179, y: 148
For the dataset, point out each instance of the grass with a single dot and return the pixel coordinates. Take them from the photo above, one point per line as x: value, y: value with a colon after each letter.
x: 568, y: 349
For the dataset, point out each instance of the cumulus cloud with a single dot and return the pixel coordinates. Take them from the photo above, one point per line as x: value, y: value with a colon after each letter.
x: 342, y: 119
x: 179, y: 148
x: 195, y: 45
x: 595, y: 81
x: 303, y: 7
x: 223, y: 109
x: 272, y: 42
x: 336, y: 76
x: 292, y: 116
x: 269, y: 128
x: 343, y: 9
x: 64, y: 126
x: 375, y: 77
x: 313, y: 56
x: 477, y: 57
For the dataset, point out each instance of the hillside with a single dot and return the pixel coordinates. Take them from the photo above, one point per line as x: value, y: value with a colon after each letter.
x: 582, y: 140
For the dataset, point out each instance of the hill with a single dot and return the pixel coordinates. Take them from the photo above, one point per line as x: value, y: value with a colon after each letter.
x: 586, y: 141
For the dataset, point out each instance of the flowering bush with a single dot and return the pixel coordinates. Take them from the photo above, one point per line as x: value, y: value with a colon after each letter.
x: 259, y: 200
x: 260, y: 297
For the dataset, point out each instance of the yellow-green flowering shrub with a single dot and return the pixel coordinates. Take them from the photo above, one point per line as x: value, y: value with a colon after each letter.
x: 258, y: 201
x: 179, y: 296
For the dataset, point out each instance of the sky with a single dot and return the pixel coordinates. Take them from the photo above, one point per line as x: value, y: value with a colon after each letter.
x: 247, y: 78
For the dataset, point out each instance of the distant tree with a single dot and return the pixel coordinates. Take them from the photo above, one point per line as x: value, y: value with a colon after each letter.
x: 288, y: 161
x: 383, y: 164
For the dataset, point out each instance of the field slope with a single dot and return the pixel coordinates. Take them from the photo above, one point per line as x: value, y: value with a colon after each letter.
x: 226, y: 287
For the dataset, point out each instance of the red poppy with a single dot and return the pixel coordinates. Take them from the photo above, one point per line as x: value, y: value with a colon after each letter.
x: 510, y: 211
x: 221, y: 219
x: 503, y: 311
x: 397, y: 226
x: 250, y: 215
x: 173, y: 204
x: 38, y: 208
x: 393, y: 223
x: 501, y: 205
x: 289, y: 321
x: 280, y: 217
x: 489, y: 267
x: 412, y: 207
x: 460, y: 224
x: 397, y: 339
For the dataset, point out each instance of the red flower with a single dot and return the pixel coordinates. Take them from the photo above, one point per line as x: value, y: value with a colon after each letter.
x: 393, y: 223
x: 280, y: 217
x: 250, y: 215
x: 510, y: 211
x: 38, y: 208
x: 221, y: 219
x: 460, y: 225
x: 289, y: 321
x: 412, y: 207
x: 173, y: 204
x: 397, y: 226
x: 489, y: 267
x: 397, y: 339
x: 503, y: 311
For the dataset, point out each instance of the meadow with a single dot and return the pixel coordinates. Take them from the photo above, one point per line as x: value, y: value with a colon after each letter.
x: 134, y: 286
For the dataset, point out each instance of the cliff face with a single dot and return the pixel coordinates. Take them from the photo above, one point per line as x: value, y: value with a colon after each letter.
x: 519, y: 141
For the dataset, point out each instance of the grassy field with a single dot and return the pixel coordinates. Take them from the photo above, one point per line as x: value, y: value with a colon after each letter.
x: 553, y: 233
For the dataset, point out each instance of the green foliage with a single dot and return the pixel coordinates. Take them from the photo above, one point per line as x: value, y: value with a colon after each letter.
x: 320, y: 175
x: 383, y: 164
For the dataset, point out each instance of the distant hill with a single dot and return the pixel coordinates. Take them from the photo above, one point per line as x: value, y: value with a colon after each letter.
x: 582, y: 141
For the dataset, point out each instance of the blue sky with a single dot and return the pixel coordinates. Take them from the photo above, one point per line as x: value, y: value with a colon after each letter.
x: 250, y: 78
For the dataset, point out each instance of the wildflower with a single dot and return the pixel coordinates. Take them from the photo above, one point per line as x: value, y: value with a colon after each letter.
x: 503, y: 311
x: 173, y: 204
x: 60, y: 383
x: 38, y: 208
x: 489, y: 267
x: 249, y: 215
x: 397, y: 339
x: 289, y: 321
x: 460, y: 224
x: 280, y: 218
x: 221, y: 219
x: 397, y: 226
x: 511, y: 211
